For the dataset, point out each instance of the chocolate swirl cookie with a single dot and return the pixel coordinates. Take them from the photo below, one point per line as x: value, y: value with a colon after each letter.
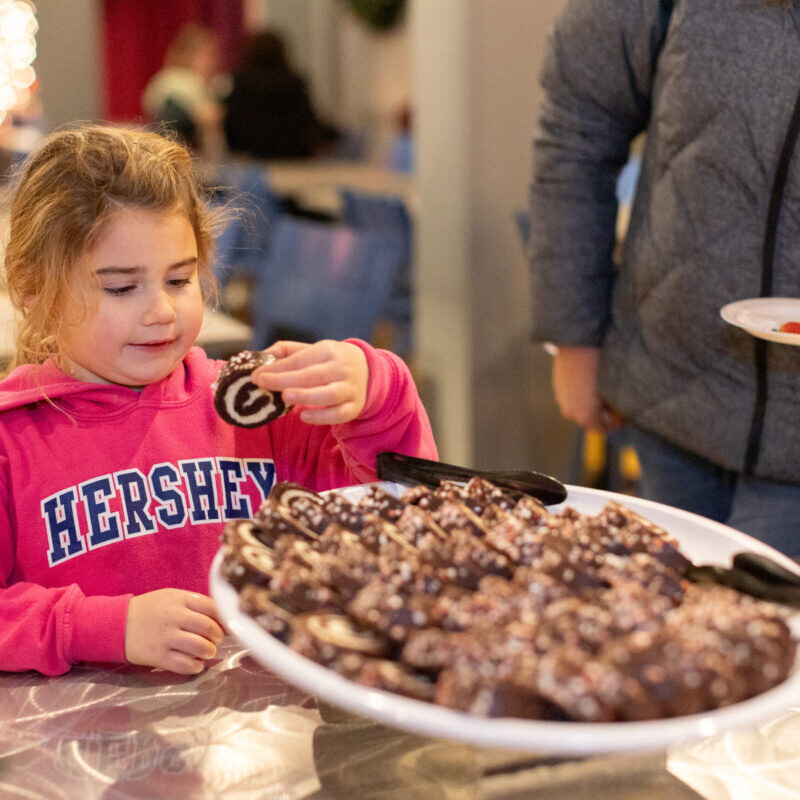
x: 238, y: 400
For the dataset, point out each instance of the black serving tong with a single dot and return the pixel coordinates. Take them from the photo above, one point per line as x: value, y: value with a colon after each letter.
x: 409, y: 469
x: 753, y: 574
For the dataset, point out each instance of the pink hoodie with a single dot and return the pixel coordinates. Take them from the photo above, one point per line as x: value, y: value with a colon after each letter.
x: 106, y: 492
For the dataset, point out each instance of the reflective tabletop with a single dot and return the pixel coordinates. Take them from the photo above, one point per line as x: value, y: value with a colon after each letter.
x: 238, y: 731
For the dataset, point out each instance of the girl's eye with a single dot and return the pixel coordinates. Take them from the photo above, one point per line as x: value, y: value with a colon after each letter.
x: 179, y: 281
x: 118, y: 291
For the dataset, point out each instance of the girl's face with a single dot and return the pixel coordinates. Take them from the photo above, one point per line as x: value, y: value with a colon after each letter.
x: 139, y: 306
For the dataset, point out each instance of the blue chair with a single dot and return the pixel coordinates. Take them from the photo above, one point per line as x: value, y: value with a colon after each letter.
x: 322, y: 281
x: 242, y: 246
x: 379, y: 212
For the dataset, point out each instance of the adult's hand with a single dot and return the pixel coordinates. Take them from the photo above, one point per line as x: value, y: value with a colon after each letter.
x: 575, y: 386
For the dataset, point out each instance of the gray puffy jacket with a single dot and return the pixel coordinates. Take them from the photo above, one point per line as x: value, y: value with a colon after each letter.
x: 716, y: 217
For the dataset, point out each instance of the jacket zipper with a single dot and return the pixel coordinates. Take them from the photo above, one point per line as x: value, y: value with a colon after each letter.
x: 767, y: 268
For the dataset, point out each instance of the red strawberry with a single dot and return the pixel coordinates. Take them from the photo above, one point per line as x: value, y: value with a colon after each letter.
x: 790, y: 327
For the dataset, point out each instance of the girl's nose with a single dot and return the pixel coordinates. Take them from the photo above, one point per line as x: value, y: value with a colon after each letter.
x: 160, y: 309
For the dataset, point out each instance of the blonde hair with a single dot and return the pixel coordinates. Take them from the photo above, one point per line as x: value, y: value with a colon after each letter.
x: 66, y: 194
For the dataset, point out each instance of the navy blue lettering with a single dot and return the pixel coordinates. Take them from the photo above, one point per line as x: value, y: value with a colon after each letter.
x: 103, y: 525
x: 200, y: 483
x: 135, y: 499
x: 237, y: 505
x: 163, y: 480
x: 263, y: 473
x: 58, y: 512
x: 125, y: 504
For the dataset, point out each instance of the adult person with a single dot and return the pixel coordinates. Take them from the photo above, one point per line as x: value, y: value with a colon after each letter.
x: 711, y: 411
x: 268, y: 113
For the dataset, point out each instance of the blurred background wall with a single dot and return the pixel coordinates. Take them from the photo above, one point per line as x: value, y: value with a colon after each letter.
x: 69, y: 60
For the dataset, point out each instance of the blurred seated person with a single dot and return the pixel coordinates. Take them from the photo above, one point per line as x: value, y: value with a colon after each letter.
x: 268, y: 111
x: 181, y: 95
x: 21, y: 130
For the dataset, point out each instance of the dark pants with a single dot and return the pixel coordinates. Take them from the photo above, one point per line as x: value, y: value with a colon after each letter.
x: 766, y: 510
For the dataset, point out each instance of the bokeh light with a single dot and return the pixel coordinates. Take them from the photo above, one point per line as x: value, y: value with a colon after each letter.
x: 18, y: 28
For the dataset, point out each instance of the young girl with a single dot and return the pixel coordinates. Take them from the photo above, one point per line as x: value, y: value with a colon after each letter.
x: 116, y: 473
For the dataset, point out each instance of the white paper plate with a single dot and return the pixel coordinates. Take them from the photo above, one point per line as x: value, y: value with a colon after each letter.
x: 763, y: 316
x: 701, y: 540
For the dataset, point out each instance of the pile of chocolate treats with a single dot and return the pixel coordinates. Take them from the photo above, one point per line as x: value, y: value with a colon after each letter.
x: 476, y: 600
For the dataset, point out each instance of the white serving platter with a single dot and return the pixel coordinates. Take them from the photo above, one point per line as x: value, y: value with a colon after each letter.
x: 700, y: 539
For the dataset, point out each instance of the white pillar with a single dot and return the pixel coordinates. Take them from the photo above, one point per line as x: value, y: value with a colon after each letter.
x: 443, y: 299
x: 476, y: 67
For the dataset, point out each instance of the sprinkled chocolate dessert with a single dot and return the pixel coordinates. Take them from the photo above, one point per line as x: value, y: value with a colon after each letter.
x: 469, y: 598
x: 238, y: 400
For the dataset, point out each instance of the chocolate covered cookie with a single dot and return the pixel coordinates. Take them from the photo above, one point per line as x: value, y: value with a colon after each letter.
x: 238, y: 400
x: 495, y: 605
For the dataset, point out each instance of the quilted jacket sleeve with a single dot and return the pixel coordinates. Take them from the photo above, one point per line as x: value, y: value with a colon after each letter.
x: 597, y: 77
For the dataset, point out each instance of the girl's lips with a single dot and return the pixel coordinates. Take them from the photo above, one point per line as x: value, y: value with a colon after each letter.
x: 153, y: 345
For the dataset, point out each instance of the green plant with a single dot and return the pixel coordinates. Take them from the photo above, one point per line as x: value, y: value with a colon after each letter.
x: 378, y: 14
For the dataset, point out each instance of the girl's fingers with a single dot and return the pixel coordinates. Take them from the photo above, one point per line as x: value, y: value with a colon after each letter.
x: 328, y: 416
x: 333, y: 394
x: 202, y: 604
x: 314, y: 375
x: 182, y: 664
x: 307, y: 375
x: 326, y: 379
x: 202, y: 618
x: 296, y: 356
x: 284, y: 349
x: 192, y: 645
x: 204, y: 626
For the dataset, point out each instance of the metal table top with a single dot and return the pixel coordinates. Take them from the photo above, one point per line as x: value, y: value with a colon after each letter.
x: 238, y: 731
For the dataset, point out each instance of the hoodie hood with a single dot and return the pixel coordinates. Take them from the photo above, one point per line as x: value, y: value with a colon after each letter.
x: 37, y: 383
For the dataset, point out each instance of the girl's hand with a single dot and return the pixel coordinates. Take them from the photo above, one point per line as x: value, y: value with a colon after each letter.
x: 172, y: 629
x: 328, y: 378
